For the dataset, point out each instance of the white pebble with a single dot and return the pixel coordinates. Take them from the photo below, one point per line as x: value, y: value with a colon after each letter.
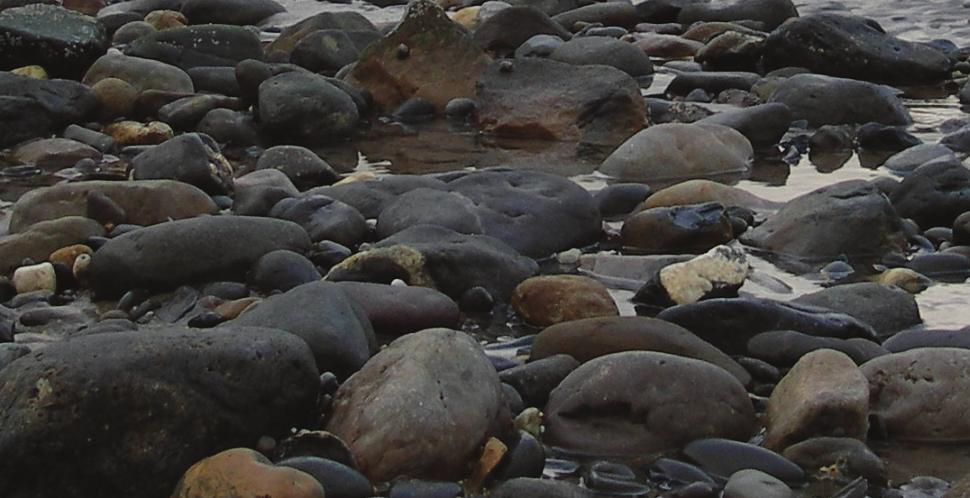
x: 39, y: 277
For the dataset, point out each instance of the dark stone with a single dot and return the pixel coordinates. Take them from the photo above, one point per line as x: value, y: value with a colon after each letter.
x: 934, y: 195
x: 323, y: 218
x: 320, y: 313
x: 740, y: 319
x: 188, y: 158
x: 534, y: 381
x: 620, y: 199
x: 185, y: 395
x: 259, y: 191
x: 64, y: 42
x: 429, y: 206
x: 185, y: 113
x: 415, y: 110
x: 509, y: 28
x: 851, y: 454
x: 713, y: 82
x: 231, y: 127
x: 828, y: 100
x: 216, y: 79
x: 328, y: 50
x: 853, y: 47
x: 292, y: 35
x: 301, y: 165
x: 606, y: 13
x: 283, y: 270
x: 676, y: 230
x: 371, y: 197
x: 786, y: 347
x: 425, y: 489
x: 763, y: 125
x: 194, y: 46
x: 241, y: 12
x: 30, y: 108
x: 184, y: 251
x: 398, y: 310
x: 875, y: 136
x: 539, y: 488
x: 724, y: 457
x: 604, y: 51
x: 888, y: 309
x: 913, y: 339
x: 301, y: 107
x: 338, y: 480
x: 526, y: 458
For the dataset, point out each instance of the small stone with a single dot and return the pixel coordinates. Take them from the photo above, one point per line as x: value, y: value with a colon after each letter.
x: 39, y: 277
x: 36, y: 72
x: 135, y: 133
x: 548, y: 300
x: 68, y: 255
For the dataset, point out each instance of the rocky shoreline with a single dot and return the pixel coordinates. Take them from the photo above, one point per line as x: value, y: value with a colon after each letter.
x: 220, y: 277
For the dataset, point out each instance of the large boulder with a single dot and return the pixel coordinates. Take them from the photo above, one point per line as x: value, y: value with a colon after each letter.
x: 440, y: 258
x: 145, y: 202
x: 126, y: 413
x: 770, y: 12
x: 934, y: 194
x: 853, y: 47
x: 305, y: 107
x: 439, y: 60
x: 636, y: 403
x: 591, y: 338
x: 535, y: 213
x: 333, y: 325
x: 824, y: 394
x: 184, y: 251
x: 41, y: 239
x: 740, y: 319
x: 678, y: 150
x: 198, y: 46
x: 64, y: 42
x: 602, y: 50
x: 826, y: 100
x: 343, y: 21
x: 920, y: 395
x: 30, y: 107
x: 887, y: 308
x: 545, y: 99
x: 143, y: 74
x: 240, y: 12
x: 422, y: 407
x: 851, y: 218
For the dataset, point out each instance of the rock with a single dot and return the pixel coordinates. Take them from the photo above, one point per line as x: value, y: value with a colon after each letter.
x: 342, y: 21
x: 711, y: 81
x: 441, y: 61
x: 535, y: 213
x: 33, y: 108
x: 188, y: 394
x: 95, y: 139
x: 228, y: 126
x: 259, y: 191
x: 751, y: 483
x: 850, y: 454
x: 54, y: 153
x: 903, y: 384
x: 131, y: 31
x: 854, y: 47
x: 323, y: 218
x: 429, y: 206
x: 913, y: 339
x: 195, y: 46
x: 933, y: 195
x: 440, y: 258
x: 592, y: 338
x: 245, y: 473
x: 535, y: 380
x: 135, y: 133
x: 676, y: 150
x: 666, y: 46
x: 604, y: 51
x: 677, y: 230
x: 305, y: 107
x: 63, y: 41
x: 620, y: 199
x: 706, y: 191
x: 380, y: 406
x: 718, y: 273
x: 328, y: 50
x: 771, y: 12
x: 732, y: 50
x: 116, y: 97
x: 39, y: 277
x: 143, y: 74
x: 786, y: 347
x: 301, y: 165
x: 740, y: 319
x: 544, y: 488
x: 763, y: 125
x: 551, y: 100
x: 167, y: 17
x: 283, y: 270
x: 145, y: 202
x: 396, y: 311
x: 888, y: 309
x: 338, y: 480
x: 320, y: 313
x: 851, y: 218
x: 824, y: 394
x: 43, y: 238
x: 551, y: 299
x: 372, y: 196
x: 186, y: 113
x: 825, y: 100
x: 215, y: 79
x: 906, y: 161
x: 188, y: 158
x: 184, y: 251
x: 723, y: 457
x: 879, y: 137
x: 645, y: 402
x: 510, y: 28
x: 241, y: 12
x: 606, y: 13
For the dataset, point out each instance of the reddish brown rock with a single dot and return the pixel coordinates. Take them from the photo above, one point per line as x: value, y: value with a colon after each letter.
x: 552, y: 299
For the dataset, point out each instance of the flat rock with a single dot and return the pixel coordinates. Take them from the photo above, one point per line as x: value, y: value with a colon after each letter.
x: 887, y: 308
x: 399, y: 310
x: 143, y: 74
x: 64, y: 42
x: 825, y: 100
x: 196, y: 46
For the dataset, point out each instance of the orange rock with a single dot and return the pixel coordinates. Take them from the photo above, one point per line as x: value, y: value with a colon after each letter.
x: 232, y: 309
x: 552, y: 299
x: 67, y: 255
x: 166, y: 19
x: 244, y: 473
x: 89, y: 7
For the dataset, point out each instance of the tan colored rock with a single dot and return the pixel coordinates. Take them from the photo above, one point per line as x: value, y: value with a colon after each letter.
x: 38, y: 241
x: 551, y: 299
x: 824, y: 394
x: 699, y: 191
x: 232, y: 309
x: 244, y: 473
x: 426, y: 56
x: 721, y: 267
x: 166, y: 19
x: 667, y: 46
x: 116, y: 98
x: 467, y: 17
x: 87, y: 7
x: 67, y: 255
x: 54, y: 153
x: 135, y: 133
x: 36, y: 72
x: 39, y: 277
